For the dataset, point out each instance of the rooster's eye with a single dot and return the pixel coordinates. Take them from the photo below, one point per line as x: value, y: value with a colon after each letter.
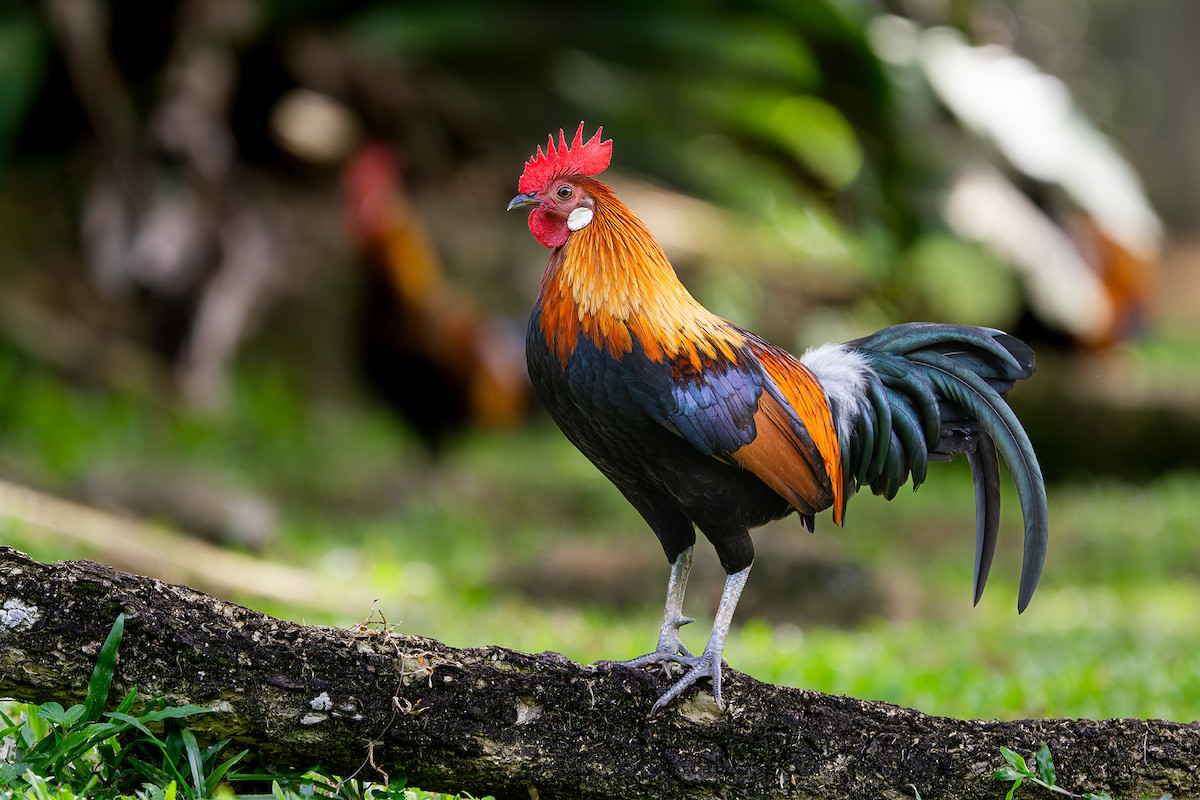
x: 564, y: 192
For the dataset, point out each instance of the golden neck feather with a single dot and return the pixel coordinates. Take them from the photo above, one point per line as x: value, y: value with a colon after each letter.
x: 613, y: 281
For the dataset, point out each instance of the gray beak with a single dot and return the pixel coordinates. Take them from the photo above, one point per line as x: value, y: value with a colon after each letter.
x: 523, y: 200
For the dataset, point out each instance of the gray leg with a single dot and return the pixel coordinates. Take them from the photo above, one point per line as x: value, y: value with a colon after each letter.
x: 670, y: 647
x: 708, y: 664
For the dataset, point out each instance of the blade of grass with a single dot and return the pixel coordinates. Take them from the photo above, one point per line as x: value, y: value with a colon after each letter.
x: 214, y: 778
x: 132, y: 722
x: 192, y: 748
x: 127, y: 703
x: 1045, y: 765
x: 102, y: 675
x: 156, y: 774
x: 174, y: 712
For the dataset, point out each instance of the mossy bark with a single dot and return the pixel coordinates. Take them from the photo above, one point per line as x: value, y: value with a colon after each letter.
x: 495, y: 721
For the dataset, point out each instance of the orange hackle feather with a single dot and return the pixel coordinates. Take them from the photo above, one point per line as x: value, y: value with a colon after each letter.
x: 612, y: 282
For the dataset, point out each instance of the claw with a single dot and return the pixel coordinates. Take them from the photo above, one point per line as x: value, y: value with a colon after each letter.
x: 707, y: 665
x: 664, y: 657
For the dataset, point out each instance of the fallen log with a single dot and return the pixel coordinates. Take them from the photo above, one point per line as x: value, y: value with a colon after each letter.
x: 488, y: 720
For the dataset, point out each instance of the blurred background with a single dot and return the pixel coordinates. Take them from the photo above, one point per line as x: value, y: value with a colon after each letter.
x: 261, y: 314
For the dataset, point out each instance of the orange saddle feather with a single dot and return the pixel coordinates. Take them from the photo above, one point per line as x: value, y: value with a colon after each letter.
x: 779, y: 454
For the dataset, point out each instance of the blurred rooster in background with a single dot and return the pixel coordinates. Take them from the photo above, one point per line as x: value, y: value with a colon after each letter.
x: 427, y: 348
x: 701, y: 423
x: 1039, y: 185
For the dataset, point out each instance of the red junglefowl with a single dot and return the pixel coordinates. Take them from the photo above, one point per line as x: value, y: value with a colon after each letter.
x: 702, y: 424
x: 427, y: 348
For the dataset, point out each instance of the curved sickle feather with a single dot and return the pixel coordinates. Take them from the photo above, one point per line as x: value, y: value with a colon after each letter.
x: 985, y: 471
x: 998, y: 420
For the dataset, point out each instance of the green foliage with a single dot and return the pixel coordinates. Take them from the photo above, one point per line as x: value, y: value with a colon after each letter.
x: 102, y: 675
x: 84, y: 750
x: 961, y: 280
x: 23, y: 56
x: 1017, y: 770
x: 789, y: 97
x: 56, y: 753
x: 318, y: 783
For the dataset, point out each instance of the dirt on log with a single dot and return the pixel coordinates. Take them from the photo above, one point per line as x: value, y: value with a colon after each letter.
x: 514, y: 725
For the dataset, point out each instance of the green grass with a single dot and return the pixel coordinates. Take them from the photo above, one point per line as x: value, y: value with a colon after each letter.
x: 1043, y: 773
x: 56, y: 753
x: 1111, y: 632
x: 87, y: 750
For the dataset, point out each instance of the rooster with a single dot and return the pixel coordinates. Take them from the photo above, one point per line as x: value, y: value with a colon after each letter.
x: 702, y: 424
x: 427, y: 348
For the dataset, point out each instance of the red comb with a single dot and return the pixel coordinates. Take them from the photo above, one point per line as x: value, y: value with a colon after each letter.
x: 586, y: 158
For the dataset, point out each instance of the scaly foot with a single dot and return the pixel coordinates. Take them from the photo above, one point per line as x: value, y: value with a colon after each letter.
x: 670, y: 650
x: 706, y: 665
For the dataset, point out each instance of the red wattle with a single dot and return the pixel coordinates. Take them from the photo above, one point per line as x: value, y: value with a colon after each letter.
x: 548, y: 230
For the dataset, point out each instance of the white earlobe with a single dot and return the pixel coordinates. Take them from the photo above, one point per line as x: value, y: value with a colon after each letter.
x: 578, y: 218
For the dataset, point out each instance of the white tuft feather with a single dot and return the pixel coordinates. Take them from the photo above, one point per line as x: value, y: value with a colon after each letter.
x: 843, y: 375
x: 578, y: 218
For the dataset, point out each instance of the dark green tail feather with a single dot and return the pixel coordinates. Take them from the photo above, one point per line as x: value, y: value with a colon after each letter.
x: 1000, y: 424
x: 985, y: 470
x: 950, y: 381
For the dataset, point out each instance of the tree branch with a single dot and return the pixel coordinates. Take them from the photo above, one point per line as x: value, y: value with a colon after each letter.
x: 494, y: 721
